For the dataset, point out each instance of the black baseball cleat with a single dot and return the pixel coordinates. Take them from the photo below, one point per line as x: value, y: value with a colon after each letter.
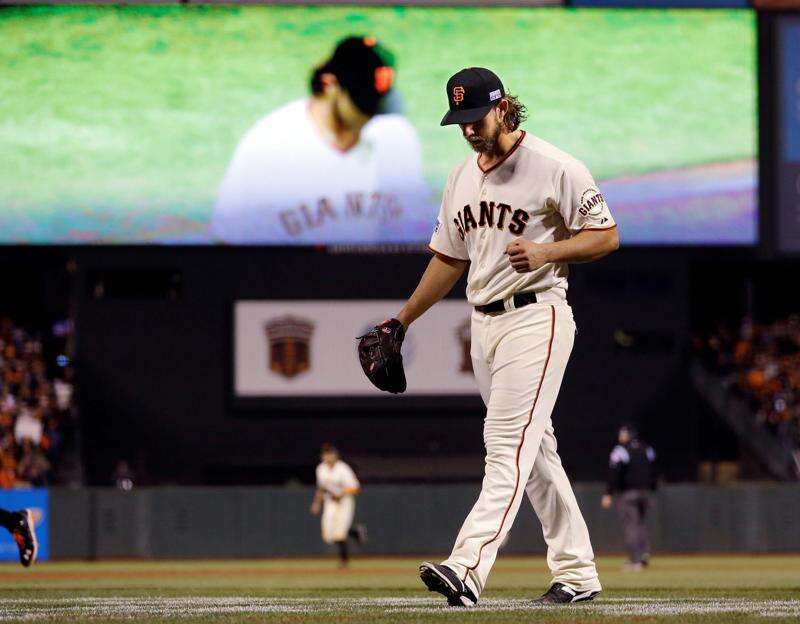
x: 562, y: 594
x: 24, y: 535
x: 440, y: 578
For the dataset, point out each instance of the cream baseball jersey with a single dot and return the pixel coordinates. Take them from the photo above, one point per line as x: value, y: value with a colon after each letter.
x: 537, y: 192
x: 336, y: 479
x: 287, y: 185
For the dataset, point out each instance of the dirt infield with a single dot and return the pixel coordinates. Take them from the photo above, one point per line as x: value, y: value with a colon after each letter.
x: 210, y: 569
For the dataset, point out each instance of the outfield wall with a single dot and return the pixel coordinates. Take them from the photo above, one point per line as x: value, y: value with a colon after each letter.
x: 264, y: 522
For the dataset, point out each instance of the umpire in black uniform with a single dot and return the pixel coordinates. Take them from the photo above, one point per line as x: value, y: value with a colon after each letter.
x: 631, y: 478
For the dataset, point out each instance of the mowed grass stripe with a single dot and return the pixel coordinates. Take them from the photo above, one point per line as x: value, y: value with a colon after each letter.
x: 670, y: 570
x: 685, y: 589
x: 193, y: 606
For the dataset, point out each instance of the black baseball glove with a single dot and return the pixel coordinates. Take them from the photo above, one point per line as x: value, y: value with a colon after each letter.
x: 379, y: 353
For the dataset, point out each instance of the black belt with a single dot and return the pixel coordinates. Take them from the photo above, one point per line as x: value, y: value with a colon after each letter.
x: 521, y: 299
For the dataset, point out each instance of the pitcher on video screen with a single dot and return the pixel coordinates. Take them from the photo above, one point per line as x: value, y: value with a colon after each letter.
x: 337, y: 167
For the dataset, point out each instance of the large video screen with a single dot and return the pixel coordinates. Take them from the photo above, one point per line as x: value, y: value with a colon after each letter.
x: 788, y: 208
x: 202, y: 125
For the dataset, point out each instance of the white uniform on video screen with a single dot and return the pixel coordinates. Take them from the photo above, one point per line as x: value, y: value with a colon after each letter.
x: 337, y: 515
x: 542, y: 194
x: 287, y: 185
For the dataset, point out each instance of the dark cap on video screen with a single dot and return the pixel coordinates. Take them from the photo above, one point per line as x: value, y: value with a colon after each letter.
x: 327, y: 447
x: 364, y: 69
x: 471, y: 94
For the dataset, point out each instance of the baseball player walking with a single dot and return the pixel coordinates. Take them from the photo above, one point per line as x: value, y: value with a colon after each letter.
x: 335, y: 497
x: 518, y: 213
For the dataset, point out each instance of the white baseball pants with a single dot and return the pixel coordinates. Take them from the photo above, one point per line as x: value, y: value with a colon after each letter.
x: 519, y: 358
x: 337, y: 518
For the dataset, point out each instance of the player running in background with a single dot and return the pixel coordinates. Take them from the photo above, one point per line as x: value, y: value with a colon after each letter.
x: 332, y: 168
x: 337, y: 487
x: 518, y: 214
x: 631, y: 477
x: 20, y: 525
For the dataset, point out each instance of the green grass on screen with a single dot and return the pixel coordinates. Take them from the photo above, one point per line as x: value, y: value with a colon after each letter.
x: 136, y: 110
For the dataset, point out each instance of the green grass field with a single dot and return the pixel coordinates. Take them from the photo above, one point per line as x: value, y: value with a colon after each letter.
x: 686, y: 589
x: 112, y: 116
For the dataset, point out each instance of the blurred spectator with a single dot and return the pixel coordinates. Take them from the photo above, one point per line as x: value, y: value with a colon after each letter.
x: 33, y: 466
x: 8, y: 474
x: 28, y: 426
x: 33, y: 409
x: 762, y: 364
x: 51, y: 438
x: 63, y: 391
x: 123, y: 475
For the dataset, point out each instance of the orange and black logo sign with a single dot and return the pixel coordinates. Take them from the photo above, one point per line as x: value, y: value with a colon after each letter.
x: 289, y: 348
x: 458, y: 95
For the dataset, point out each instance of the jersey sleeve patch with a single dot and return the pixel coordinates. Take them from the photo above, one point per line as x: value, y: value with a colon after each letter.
x: 581, y: 204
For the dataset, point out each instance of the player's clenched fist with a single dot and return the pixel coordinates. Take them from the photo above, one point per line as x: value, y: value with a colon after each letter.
x: 526, y: 256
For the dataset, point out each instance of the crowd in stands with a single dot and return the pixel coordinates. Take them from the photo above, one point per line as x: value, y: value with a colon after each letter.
x: 762, y: 364
x: 33, y: 407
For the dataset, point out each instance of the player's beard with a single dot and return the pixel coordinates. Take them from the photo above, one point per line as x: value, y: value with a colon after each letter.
x: 485, y: 145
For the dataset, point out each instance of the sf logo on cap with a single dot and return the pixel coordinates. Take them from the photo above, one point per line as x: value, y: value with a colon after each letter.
x: 458, y: 95
x: 384, y: 76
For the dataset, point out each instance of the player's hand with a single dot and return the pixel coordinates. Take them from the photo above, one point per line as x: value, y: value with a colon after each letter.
x: 526, y: 256
x: 606, y: 501
x: 336, y: 497
x: 316, y: 508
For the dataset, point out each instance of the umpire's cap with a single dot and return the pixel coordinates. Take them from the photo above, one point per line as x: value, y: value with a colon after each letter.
x: 364, y: 68
x: 472, y: 93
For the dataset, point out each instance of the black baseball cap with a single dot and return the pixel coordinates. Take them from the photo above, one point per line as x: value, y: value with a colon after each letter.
x: 471, y: 93
x: 364, y: 68
x: 327, y: 447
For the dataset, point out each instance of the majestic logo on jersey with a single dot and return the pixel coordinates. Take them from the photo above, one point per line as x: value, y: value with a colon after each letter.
x: 288, y: 340
x: 464, y: 336
x: 592, y: 203
x: 491, y: 214
x: 458, y: 95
